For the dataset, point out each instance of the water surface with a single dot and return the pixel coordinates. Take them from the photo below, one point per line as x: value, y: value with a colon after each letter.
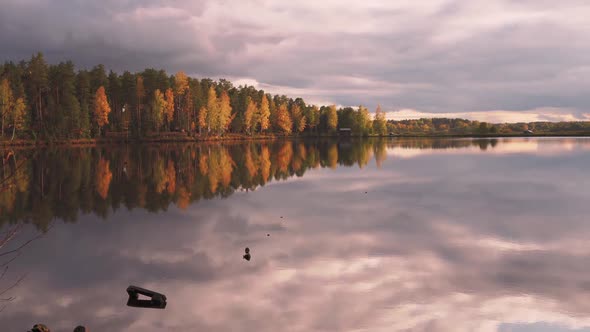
x: 372, y: 235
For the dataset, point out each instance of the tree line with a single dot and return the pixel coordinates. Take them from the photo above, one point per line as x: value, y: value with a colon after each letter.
x: 44, y: 101
x: 444, y: 126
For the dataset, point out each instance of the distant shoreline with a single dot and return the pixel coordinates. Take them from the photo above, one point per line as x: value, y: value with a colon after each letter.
x: 229, y: 138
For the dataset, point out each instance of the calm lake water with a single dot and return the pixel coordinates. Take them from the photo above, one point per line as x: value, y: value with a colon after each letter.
x: 372, y: 235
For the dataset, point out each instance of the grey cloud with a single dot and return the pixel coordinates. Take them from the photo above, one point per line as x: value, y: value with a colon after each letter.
x: 516, y: 64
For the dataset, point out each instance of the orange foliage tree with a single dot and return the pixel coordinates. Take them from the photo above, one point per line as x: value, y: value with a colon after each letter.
x: 101, y: 108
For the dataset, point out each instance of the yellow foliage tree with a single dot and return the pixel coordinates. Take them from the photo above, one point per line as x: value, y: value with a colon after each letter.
x: 158, y: 108
x: 298, y: 118
x: 212, y: 115
x: 284, y: 119
x: 225, y: 116
x: 379, y: 123
x: 332, y: 117
x: 203, y: 115
x: 264, y: 114
x: 6, y: 102
x: 249, y: 116
x: 169, y: 107
x: 180, y: 83
x: 101, y: 108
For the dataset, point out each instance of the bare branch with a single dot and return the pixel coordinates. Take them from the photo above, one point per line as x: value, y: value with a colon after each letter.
x: 22, y: 246
x: 9, y: 235
x: 11, y: 287
x: 10, y: 261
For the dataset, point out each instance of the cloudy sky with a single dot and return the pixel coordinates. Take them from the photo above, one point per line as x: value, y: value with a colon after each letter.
x: 493, y: 60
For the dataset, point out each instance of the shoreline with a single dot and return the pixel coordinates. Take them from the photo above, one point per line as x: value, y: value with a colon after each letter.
x: 212, y: 139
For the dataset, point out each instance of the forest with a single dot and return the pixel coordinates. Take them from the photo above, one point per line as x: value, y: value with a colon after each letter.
x: 46, y: 102
x: 43, y: 101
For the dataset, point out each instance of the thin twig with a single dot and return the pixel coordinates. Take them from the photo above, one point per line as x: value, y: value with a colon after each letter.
x: 11, y: 287
x: 10, y: 260
x: 10, y: 234
x: 24, y: 244
x: 3, y: 272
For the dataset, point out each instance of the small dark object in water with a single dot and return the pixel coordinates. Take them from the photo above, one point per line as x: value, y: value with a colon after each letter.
x: 281, y: 217
x: 267, y: 234
x: 365, y: 192
x: 156, y: 301
x: 247, y: 255
x: 80, y: 328
x: 40, y: 328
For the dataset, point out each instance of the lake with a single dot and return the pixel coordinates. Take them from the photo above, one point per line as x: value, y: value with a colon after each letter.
x: 358, y: 235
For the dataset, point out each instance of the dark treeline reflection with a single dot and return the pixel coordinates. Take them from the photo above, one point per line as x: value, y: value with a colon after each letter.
x: 443, y: 143
x: 61, y: 183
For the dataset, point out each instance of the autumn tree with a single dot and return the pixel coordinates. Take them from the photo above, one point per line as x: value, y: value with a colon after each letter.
x: 169, y: 107
x: 159, y: 105
x: 182, y: 94
x: 312, y: 117
x: 284, y: 122
x: 203, y: 114
x: 213, y: 111
x: 297, y: 118
x: 225, y: 115
x: 264, y: 114
x: 332, y: 118
x: 101, y: 108
x: 379, y: 123
x: 250, y: 116
x: 362, y: 121
x: 180, y: 83
x: 6, y: 102
x: 187, y: 109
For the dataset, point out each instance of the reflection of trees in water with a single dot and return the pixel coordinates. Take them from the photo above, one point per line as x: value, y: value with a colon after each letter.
x: 14, y: 182
x: 62, y: 183
x: 103, y: 177
x: 441, y: 143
